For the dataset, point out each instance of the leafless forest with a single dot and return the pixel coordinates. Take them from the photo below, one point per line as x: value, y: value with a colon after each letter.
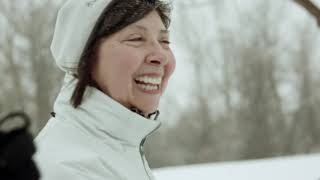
x: 253, y: 91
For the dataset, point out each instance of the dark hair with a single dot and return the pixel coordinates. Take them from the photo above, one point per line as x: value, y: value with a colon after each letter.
x: 116, y: 16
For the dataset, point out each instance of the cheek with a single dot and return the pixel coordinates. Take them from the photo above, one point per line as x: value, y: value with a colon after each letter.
x: 126, y: 64
x: 114, y: 69
x: 171, y: 66
x: 122, y: 64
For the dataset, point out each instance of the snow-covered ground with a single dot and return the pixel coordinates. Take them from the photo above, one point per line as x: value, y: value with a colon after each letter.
x: 306, y: 167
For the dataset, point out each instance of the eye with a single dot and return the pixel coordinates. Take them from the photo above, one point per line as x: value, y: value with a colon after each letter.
x: 136, y: 39
x: 165, y: 41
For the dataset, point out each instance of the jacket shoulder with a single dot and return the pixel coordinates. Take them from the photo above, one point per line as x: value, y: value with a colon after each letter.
x: 66, y: 152
x: 65, y: 171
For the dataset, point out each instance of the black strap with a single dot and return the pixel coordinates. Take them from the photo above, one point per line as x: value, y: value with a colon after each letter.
x: 156, y: 113
x: 136, y: 110
x: 53, y: 114
x: 16, y: 150
x: 151, y: 1
x: 22, y: 115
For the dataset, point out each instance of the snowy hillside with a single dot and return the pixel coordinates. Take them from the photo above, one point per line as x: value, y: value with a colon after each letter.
x: 286, y: 168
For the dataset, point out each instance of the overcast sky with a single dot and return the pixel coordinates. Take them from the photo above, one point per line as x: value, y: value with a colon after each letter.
x: 182, y: 80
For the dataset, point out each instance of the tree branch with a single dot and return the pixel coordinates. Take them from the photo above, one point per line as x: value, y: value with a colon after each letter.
x: 311, y: 8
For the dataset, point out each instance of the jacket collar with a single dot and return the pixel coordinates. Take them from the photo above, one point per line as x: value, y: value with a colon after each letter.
x: 101, y: 115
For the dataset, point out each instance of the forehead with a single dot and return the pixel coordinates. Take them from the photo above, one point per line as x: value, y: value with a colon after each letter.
x: 151, y: 22
x: 145, y: 28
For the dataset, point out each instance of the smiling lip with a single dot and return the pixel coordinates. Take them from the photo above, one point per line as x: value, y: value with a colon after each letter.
x: 152, y: 92
x: 152, y: 74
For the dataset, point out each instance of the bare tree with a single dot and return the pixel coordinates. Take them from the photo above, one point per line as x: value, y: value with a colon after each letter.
x: 14, y: 72
x: 311, y: 8
x: 304, y: 134
x: 30, y: 65
x: 13, y: 88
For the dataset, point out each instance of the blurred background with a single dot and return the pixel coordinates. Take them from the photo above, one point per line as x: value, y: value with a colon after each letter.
x: 246, y: 84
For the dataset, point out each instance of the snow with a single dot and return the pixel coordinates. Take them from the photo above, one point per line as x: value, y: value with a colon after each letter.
x: 306, y: 167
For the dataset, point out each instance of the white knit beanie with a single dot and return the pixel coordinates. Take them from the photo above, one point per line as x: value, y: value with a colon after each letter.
x: 75, y: 21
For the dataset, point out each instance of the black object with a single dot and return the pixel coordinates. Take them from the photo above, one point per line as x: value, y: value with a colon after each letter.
x: 151, y: 1
x: 136, y: 110
x: 16, y: 150
x: 53, y: 114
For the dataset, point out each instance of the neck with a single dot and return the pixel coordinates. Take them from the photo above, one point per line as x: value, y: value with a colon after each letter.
x: 146, y: 115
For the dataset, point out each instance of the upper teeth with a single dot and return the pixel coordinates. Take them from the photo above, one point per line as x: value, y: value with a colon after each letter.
x: 151, y: 80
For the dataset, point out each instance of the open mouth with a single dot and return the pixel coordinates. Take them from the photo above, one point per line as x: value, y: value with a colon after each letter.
x: 148, y: 83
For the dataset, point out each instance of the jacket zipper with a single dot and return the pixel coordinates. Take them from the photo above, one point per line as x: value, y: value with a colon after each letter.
x: 142, y: 151
x: 142, y: 155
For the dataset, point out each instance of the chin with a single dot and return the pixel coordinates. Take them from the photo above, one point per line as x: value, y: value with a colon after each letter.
x: 148, y: 108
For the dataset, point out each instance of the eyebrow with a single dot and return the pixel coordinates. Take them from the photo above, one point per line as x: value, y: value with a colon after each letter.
x: 163, y: 31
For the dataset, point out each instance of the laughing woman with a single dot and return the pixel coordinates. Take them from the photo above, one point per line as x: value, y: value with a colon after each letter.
x: 118, y: 61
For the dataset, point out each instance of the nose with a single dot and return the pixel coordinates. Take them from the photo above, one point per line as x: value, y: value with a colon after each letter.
x: 157, y: 55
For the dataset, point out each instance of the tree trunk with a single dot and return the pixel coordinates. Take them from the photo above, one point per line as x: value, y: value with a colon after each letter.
x: 311, y: 8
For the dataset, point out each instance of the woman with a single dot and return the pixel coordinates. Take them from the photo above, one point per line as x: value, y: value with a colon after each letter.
x: 117, y: 60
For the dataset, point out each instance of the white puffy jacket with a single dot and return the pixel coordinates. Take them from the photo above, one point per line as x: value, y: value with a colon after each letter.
x: 100, y: 140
